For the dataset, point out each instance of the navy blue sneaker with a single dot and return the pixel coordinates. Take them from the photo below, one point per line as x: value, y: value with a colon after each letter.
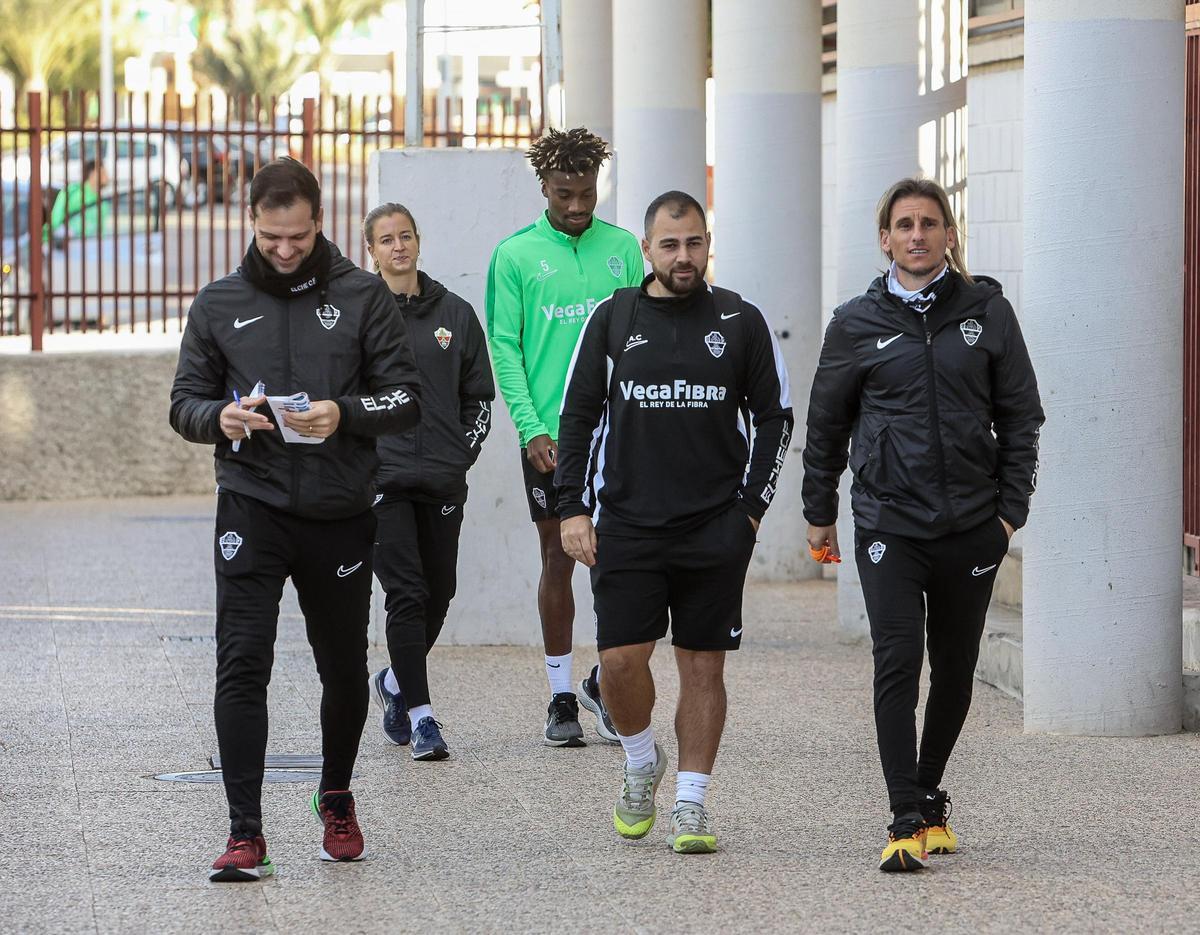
x: 427, y: 742
x: 395, y: 714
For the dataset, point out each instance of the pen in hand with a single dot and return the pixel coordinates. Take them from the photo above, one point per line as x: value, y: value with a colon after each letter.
x: 238, y: 399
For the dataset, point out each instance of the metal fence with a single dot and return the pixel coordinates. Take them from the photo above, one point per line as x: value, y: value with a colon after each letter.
x: 115, y: 226
x: 1191, y: 310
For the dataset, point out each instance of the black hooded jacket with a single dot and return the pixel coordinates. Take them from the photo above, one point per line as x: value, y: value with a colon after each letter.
x: 942, y: 411
x: 352, y: 349
x: 430, y: 462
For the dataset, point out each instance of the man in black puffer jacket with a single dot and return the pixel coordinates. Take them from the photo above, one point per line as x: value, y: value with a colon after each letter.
x: 294, y: 500
x: 928, y: 377
x: 422, y: 477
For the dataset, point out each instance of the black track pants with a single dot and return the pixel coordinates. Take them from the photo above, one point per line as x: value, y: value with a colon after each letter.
x: 416, y: 561
x: 329, y: 562
x: 925, y: 592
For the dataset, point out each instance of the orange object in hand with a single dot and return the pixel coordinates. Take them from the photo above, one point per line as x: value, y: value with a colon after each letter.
x: 823, y: 556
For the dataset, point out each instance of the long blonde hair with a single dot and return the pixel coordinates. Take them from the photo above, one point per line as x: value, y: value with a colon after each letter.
x: 925, y: 188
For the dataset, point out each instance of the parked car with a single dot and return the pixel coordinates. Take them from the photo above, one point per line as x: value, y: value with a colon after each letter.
x: 125, y: 254
x: 137, y: 161
x: 212, y: 167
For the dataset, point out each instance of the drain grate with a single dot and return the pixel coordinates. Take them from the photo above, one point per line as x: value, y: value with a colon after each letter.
x: 281, y: 761
x: 188, y: 639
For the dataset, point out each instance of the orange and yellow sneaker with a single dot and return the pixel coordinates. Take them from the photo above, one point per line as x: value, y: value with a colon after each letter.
x: 906, y: 845
x: 936, y: 809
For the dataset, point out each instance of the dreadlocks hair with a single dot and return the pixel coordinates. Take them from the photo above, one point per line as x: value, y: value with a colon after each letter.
x: 575, y: 152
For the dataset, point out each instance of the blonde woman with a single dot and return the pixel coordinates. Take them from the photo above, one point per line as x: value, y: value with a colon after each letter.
x: 422, y: 478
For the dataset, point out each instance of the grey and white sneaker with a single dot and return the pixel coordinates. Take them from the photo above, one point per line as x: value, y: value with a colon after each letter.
x: 690, y: 833
x: 589, y: 697
x: 633, y: 815
x: 562, y: 722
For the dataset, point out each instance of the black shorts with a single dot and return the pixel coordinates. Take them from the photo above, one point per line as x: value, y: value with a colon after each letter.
x: 694, y: 578
x: 539, y: 491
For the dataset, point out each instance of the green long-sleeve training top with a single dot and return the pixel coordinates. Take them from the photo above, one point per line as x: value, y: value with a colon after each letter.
x: 542, y: 286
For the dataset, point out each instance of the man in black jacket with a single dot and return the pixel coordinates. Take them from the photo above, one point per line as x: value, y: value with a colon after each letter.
x: 661, y: 493
x: 294, y: 500
x: 928, y: 378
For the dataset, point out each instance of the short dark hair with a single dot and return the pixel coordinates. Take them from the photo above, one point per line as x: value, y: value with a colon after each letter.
x: 90, y: 166
x: 677, y: 203
x: 281, y: 183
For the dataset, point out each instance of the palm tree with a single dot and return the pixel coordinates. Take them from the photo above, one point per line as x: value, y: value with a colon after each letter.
x: 258, y: 59
x: 39, y: 39
x: 324, y: 19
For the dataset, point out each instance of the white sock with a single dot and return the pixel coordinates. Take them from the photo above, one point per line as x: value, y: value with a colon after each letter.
x: 639, y: 749
x: 420, y: 711
x: 558, y: 673
x: 390, y: 683
x: 690, y: 787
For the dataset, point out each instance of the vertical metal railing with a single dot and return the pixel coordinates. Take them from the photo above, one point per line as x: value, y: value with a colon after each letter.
x: 1191, y: 309
x: 173, y: 214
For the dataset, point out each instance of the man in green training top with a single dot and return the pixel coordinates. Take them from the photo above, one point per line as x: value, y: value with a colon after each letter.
x: 543, y: 283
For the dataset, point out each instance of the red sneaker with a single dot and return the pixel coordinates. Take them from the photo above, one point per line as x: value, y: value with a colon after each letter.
x: 343, y: 838
x: 244, y: 861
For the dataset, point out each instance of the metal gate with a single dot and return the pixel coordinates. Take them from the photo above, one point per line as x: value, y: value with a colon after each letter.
x: 114, y: 226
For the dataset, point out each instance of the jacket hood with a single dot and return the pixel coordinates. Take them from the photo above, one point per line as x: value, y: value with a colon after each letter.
x: 338, y: 264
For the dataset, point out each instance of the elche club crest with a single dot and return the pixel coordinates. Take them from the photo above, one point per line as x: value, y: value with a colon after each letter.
x: 616, y: 266
x: 443, y: 337
x: 715, y: 342
x: 229, y: 543
x: 328, y: 316
x: 971, y: 330
x: 540, y: 496
x: 875, y: 552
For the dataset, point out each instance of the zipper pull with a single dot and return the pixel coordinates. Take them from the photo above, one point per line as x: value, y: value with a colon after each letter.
x: 928, y: 339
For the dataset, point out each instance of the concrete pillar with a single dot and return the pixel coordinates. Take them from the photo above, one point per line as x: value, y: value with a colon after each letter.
x: 767, y: 76
x: 587, y: 48
x: 1103, y: 204
x: 901, y: 100
x: 659, y: 69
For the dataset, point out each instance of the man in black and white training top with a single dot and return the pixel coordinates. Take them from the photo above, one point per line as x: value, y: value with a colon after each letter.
x: 661, y: 493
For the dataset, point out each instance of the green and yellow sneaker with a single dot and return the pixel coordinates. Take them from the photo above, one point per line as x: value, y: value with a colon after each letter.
x: 690, y: 833
x: 633, y: 815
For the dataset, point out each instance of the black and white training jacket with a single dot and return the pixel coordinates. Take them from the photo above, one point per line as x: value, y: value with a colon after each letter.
x: 941, y: 410
x: 655, y: 433
x: 349, y: 346
x: 430, y: 462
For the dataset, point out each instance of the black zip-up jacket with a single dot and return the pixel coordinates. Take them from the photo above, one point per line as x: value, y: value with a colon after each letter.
x: 430, y: 462
x: 354, y: 350
x: 942, y: 410
x: 654, y: 433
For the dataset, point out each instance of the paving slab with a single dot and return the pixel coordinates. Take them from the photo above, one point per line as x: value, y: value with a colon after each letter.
x: 106, y: 680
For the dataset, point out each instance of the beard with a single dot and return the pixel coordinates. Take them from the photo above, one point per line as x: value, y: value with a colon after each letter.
x: 667, y: 278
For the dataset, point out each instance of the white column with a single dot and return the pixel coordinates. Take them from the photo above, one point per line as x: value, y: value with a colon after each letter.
x: 901, y: 99
x: 587, y: 49
x: 1103, y: 293
x: 659, y: 69
x: 767, y: 76
x: 552, y: 62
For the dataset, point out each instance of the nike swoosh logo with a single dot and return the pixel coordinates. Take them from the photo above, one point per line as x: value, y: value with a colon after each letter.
x: 881, y: 344
x: 633, y: 344
x: 542, y: 277
x: 343, y: 572
x: 725, y: 317
x: 736, y: 633
x: 238, y: 323
x: 977, y: 571
x: 554, y: 665
x: 447, y: 510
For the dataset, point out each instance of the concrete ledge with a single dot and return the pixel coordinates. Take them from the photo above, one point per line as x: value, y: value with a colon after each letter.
x: 94, y: 424
x: 999, y: 662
